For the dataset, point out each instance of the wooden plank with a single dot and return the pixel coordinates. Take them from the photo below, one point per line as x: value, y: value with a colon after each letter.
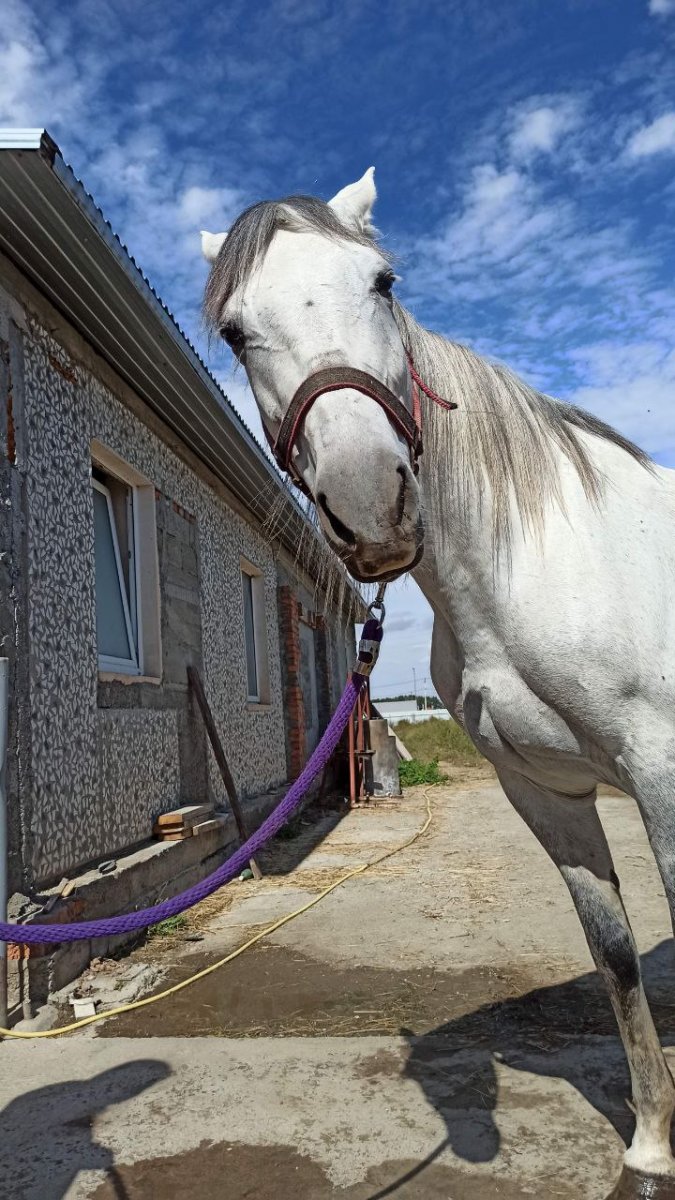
x: 189, y: 814
x: 56, y: 895
x: 195, y: 682
x: 207, y: 826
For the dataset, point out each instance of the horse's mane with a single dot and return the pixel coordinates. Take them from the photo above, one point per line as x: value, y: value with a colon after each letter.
x: 502, y: 441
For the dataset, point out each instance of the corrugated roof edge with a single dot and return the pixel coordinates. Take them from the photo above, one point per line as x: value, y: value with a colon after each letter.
x: 85, y: 200
x: 27, y: 139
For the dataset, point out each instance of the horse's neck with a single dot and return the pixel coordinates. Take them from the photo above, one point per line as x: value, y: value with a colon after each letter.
x: 493, y: 469
x: 477, y: 534
x: 470, y: 569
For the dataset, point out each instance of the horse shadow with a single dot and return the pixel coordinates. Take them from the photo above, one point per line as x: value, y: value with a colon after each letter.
x: 565, y: 1031
x: 47, y: 1136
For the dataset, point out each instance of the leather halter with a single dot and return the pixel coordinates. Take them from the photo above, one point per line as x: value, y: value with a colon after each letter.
x: 334, y: 379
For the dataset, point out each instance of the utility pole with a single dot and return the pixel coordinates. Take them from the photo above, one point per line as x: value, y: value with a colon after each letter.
x: 415, y: 687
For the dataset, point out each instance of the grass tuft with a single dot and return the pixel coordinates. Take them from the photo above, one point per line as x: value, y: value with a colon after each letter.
x: 415, y: 772
x: 167, y: 928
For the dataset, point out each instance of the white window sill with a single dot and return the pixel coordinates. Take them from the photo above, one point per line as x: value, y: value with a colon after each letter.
x: 120, y: 677
x: 258, y: 706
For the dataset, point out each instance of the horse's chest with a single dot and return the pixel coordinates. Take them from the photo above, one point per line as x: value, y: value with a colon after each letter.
x: 511, y: 725
x: 516, y: 730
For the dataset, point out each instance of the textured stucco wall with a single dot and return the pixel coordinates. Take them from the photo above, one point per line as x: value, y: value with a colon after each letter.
x: 100, y: 773
x: 9, y: 551
x: 181, y: 634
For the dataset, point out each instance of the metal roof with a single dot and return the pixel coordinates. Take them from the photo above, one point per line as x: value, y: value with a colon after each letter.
x: 53, y: 231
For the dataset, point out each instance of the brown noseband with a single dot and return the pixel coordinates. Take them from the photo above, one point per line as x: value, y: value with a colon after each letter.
x: 335, y: 379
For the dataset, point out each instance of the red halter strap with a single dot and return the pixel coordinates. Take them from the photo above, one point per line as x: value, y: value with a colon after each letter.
x: 448, y: 405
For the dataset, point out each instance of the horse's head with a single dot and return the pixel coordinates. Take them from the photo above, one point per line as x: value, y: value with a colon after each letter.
x: 298, y: 286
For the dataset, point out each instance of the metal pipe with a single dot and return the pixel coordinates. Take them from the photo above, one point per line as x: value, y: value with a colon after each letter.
x: 4, y: 728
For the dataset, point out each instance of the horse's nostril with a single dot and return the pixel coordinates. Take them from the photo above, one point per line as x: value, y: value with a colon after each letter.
x: 341, y: 530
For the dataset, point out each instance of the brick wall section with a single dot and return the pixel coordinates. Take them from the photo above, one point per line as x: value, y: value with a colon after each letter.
x: 294, y: 708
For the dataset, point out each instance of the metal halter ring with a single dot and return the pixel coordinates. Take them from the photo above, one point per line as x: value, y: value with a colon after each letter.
x: 371, y: 637
x: 378, y: 603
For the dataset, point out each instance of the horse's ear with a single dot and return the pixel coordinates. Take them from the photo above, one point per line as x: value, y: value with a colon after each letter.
x: 354, y: 204
x: 211, y: 244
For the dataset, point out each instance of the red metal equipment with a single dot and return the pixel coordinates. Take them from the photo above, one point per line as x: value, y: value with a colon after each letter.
x: 358, y: 749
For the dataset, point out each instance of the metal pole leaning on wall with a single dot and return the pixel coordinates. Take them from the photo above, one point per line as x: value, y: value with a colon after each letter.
x: 4, y: 728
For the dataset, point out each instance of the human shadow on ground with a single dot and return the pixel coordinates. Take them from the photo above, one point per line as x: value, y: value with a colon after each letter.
x: 551, y: 1032
x: 48, y: 1135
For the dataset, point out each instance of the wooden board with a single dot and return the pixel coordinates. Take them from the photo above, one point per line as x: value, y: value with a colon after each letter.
x: 185, y: 817
x: 207, y: 826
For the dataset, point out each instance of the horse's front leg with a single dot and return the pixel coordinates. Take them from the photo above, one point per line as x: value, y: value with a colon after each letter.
x: 571, y: 833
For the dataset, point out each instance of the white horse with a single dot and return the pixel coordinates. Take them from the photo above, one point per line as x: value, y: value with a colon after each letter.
x: 548, y: 559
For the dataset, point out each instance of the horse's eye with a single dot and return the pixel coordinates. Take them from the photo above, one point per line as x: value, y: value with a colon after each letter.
x: 234, y: 337
x: 384, y: 283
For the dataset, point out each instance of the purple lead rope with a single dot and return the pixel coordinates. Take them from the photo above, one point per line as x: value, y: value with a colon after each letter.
x: 129, y: 922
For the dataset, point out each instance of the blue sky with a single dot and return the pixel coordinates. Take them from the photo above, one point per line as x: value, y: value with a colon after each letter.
x: 524, y: 154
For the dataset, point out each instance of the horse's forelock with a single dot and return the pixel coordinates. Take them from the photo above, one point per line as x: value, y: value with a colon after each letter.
x: 249, y: 239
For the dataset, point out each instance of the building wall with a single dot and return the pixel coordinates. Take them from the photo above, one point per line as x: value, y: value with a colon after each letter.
x: 10, y: 580
x: 104, y: 759
x: 181, y: 634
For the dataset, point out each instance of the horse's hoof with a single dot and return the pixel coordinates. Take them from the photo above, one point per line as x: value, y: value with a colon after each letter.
x: 633, y: 1185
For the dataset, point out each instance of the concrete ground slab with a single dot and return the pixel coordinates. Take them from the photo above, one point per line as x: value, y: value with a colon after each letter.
x: 81, y: 1115
x: 434, y: 1028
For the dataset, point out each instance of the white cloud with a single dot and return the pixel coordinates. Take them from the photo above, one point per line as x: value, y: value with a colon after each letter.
x: 633, y: 389
x: 577, y: 302
x: 655, y: 138
x: 506, y: 216
x: 661, y: 7
x: 539, y: 130
x: 211, y: 207
x: 157, y: 199
x: 39, y: 82
x: 501, y: 215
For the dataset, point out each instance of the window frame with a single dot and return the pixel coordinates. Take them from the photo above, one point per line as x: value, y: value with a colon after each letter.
x: 145, y: 593
x: 253, y: 697
x: 107, y: 662
x: 253, y: 573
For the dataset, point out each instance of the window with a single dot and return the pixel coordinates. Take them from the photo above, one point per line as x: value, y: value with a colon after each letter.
x: 249, y: 631
x: 126, y: 569
x: 115, y: 554
x: 255, y: 634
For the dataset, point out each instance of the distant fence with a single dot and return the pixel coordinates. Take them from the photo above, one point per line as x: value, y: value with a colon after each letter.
x: 393, y: 714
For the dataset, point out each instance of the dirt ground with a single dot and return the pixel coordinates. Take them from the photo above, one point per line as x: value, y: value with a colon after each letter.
x: 433, y: 1028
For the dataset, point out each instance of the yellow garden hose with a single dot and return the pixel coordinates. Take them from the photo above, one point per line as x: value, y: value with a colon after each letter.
x: 178, y: 987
